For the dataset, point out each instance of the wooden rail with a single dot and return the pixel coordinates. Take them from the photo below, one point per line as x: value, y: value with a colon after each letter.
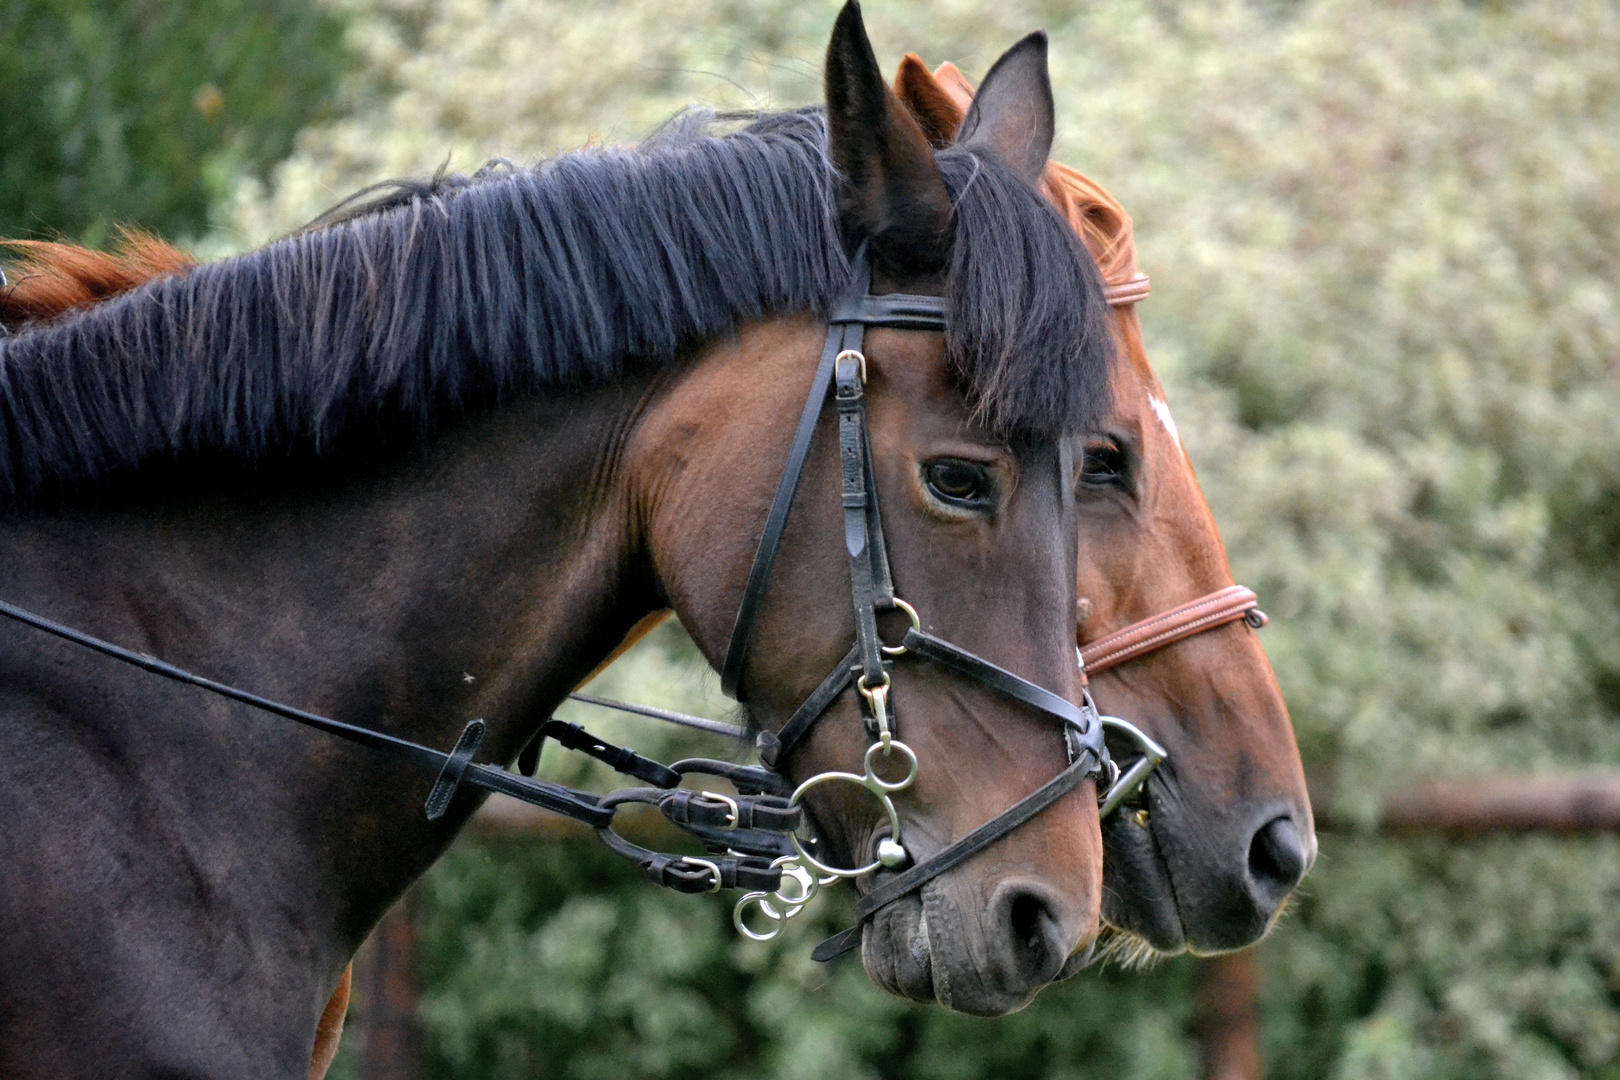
x: 1227, y: 1021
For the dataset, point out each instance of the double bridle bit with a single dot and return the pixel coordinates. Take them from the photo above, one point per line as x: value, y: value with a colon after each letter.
x: 752, y: 835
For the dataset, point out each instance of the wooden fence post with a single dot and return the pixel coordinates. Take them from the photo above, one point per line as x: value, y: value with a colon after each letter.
x: 385, y: 977
x: 1224, y: 1017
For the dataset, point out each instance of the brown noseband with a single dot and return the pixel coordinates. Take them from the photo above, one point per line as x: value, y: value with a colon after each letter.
x: 1149, y: 635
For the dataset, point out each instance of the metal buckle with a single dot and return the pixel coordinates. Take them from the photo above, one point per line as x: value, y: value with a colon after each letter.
x: 712, y: 868
x: 724, y: 800
x: 851, y: 354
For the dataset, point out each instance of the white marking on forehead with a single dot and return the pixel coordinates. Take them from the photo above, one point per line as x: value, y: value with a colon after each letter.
x: 1162, y: 411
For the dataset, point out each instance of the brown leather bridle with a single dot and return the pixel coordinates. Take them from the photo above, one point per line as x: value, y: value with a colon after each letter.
x: 1149, y: 635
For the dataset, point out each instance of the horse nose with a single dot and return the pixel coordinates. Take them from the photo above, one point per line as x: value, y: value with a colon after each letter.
x: 1277, y: 861
x: 1034, y: 942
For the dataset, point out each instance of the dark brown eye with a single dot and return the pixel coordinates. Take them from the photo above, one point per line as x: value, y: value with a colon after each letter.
x: 960, y: 483
x: 1104, y: 464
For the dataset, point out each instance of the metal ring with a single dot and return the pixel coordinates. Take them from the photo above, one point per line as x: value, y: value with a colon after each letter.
x: 888, y: 808
x: 875, y: 783
x: 712, y: 868
x: 744, y: 929
x: 793, y: 870
x: 916, y: 624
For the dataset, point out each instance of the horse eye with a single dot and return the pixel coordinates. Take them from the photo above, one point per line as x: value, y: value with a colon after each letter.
x: 960, y: 483
x: 1103, y: 465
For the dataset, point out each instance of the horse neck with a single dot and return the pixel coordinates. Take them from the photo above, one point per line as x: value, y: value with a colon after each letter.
x: 480, y: 575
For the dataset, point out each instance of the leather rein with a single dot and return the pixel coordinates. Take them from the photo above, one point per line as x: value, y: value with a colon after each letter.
x: 751, y: 836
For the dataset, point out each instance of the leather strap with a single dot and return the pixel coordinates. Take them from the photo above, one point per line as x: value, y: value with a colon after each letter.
x: 770, y: 539
x: 974, y: 842
x: 620, y: 759
x: 850, y: 395
x: 774, y: 749
x: 1087, y: 727
x: 579, y: 805
x: 1149, y: 635
x: 850, y: 316
x: 455, y: 767
x: 1130, y: 291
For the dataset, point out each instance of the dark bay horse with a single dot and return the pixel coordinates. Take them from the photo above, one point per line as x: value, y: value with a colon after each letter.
x: 1223, y: 830
x: 433, y: 461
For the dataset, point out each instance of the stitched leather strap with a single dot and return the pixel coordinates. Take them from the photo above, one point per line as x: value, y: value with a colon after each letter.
x: 974, y: 842
x: 1130, y: 291
x: 1194, y: 617
x: 857, y: 497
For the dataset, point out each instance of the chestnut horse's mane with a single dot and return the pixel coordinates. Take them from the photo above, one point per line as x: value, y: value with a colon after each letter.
x: 51, y: 280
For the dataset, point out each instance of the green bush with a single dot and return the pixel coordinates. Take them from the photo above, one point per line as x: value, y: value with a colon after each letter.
x: 136, y: 112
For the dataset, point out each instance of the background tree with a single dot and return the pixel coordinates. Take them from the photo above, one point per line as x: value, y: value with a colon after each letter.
x: 140, y: 112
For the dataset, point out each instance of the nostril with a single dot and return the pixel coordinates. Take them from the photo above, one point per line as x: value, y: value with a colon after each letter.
x: 1034, y: 935
x: 1029, y: 918
x: 1276, y: 861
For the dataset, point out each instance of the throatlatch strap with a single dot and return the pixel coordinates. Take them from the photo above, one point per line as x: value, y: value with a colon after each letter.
x: 974, y: 842
x: 770, y: 539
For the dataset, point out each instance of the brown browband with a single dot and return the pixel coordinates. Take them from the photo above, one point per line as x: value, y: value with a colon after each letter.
x: 1194, y: 617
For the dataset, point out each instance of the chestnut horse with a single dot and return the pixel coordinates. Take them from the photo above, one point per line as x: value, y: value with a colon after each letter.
x: 1222, y: 831
x: 433, y: 461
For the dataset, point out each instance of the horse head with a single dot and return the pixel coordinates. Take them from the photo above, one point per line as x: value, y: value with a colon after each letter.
x: 974, y: 492
x: 1206, y: 855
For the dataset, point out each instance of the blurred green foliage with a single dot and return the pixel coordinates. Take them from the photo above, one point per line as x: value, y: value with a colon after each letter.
x: 1385, y: 246
x: 144, y: 112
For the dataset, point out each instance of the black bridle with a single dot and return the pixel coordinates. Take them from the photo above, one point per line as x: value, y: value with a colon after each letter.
x: 751, y: 835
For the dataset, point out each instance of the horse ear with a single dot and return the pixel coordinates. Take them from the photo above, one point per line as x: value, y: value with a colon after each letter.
x: 892, y: 193
x: 1012, y: 115
x: 930, y: 103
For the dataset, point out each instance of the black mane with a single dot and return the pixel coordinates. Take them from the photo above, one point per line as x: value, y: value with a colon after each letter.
x: 448, y: 292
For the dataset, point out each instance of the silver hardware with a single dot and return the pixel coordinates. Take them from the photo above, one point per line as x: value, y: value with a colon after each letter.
x: 872, y: 782
x: 713, y: 869
x: 778, y: 906
x: 891, y: 854
x: 725, y: 800
x: 1153, y: 756
x: 877, y: 698
x: 916, y: 624
x: 852, y: 354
